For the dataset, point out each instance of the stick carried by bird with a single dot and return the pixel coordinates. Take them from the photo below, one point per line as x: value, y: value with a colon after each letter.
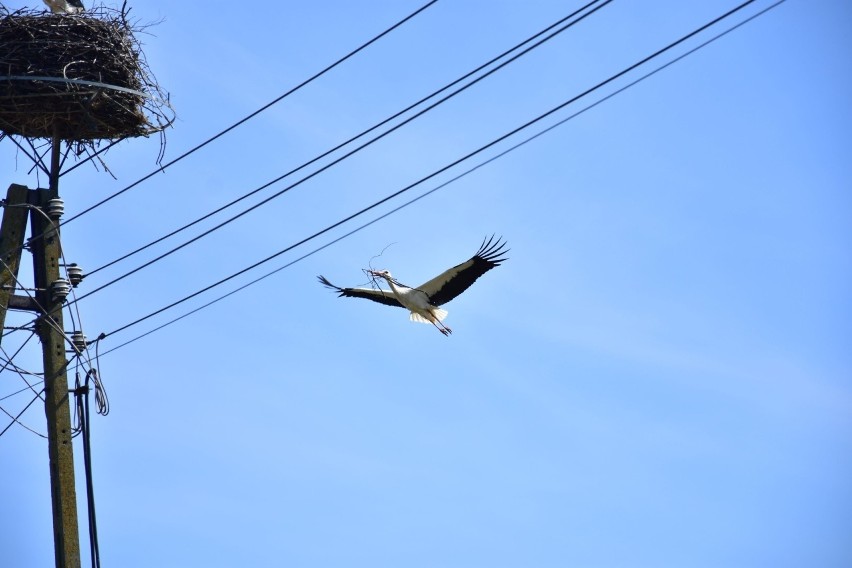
x: 423, y: 301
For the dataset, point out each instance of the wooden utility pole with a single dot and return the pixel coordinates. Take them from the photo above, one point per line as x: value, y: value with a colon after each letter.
x: 46, y: 260
x: 57, y: 409
x: 47, y: 255
x: 12, y: 232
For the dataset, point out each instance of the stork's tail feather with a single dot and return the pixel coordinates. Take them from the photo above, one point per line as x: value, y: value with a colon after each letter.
x: 324, y: 281
x: 438, y: 313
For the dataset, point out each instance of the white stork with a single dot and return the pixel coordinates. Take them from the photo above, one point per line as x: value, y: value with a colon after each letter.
x: 423, y: 301
x: 65, y: 6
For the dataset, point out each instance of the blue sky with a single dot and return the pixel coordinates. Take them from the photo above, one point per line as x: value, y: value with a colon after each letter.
x: 659, y: 376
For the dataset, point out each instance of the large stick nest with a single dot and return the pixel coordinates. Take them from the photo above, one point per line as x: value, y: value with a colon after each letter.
x: 78, y: 77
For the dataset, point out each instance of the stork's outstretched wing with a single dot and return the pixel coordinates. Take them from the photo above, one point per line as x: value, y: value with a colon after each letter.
x: 457, y: 279
x: 381, y: 296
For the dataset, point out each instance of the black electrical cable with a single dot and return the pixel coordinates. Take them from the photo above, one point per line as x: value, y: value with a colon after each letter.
x: 9, y: 363
x: 17, y: 392
x: 163, y: 167
x: 481, y: 149
x: 341, y: 158
x: 481, y: 164
x: 320, y: 248
x: 21, y: 424
x: 81, y: 393
x: 342, y: 144
x: 15, y: 419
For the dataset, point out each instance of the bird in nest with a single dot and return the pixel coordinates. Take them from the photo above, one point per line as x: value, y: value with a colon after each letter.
x: 65, y: 6
x: 423, y: 301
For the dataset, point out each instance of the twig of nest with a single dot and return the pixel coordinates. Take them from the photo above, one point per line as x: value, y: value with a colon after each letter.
x: 81, y: 78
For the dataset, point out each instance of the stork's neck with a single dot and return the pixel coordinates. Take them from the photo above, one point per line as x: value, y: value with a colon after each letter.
x: 392, y: 285
x: 397, y: 290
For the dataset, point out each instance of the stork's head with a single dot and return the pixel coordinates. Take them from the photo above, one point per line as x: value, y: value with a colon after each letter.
x: 381, y: 274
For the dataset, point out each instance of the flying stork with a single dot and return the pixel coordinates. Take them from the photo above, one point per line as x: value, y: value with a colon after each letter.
x: 423, y: 301
x: 65, y: 6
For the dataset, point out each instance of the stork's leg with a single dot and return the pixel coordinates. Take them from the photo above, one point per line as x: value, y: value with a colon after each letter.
x: 441, y: 327
x: 431, y: 318
x: 445, y: 330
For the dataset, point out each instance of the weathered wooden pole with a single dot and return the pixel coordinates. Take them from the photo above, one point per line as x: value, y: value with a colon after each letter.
x: 47, y: 256
x: 12, y: 230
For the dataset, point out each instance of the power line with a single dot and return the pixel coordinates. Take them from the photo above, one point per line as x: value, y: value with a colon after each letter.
x: 343, y: 144
x: 9, y: 363
x: 16, y: 420
x: 328, y: 244
x: 17, y: 392
x: 505, y: 136
x: 221, y: 133
x: 16, y: 417
x: 344, y: 156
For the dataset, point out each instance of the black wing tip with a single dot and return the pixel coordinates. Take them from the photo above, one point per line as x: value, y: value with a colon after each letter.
x: 325, y: 282
x: 492, y: 251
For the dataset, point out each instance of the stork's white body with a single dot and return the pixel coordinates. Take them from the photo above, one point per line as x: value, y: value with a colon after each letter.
x: 417, y: 302
x: 65, y: 6
x: 423, y: 301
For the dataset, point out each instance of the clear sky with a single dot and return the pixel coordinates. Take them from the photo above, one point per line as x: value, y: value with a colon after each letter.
x: 660, y: 376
